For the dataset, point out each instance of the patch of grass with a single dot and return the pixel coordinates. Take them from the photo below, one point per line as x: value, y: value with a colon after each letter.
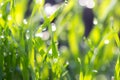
x: 57, y: 49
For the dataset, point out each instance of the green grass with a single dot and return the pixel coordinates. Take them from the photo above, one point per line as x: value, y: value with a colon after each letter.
x: 28, y: 53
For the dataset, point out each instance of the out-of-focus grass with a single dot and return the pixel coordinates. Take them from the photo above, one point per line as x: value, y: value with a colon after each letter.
x: 29, y: 50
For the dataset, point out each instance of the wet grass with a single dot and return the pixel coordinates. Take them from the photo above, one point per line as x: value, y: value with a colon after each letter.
x: 41, y: 47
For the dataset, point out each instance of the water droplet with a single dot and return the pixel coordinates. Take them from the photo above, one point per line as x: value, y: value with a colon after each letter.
x: 50, y: 9
x: 95, y: 22
x: 59, y: 54
x: 94, y: 71
x: 106, y: 41
x: 5, y: 54
x: 9, y: 17
x: 1, y: 4
x: 55, y: 60
x: 50, y: 51
x: 112, y: 78
x: 27, y: 37
x: 27, y: 31
x: 46, y: 35
x: 87, y: 3
x: 25, y: 21
x: 48, y: 42
x: 2, y: 36
x: 10, y: 53
x: 67, y: 63
x: 66, y: 2
x: 16, y: 55
x: 90, y: 4
x: 53, y: 27
x: 82, y: 2
x: 39, y: 35
x: 0, y: 15
x: 44, y: 29
x: 38, y: 1
x: 27, y: 34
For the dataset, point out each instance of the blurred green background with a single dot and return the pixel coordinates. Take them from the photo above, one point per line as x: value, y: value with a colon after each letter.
x: 45, y: 40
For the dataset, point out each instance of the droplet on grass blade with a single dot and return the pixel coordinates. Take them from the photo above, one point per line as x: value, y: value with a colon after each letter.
x: 38, y: 1
x: 50, y: 51
x: 53, y: 27
x: 95, y: 22
x: 106, y: 42
x: 67, y: 63
x: 55, y: 60
x: 1, y: 36
x: 66, y: 2
x: 90, y: 4
x: 94, y: 71
x: 25, y: 21
x: 50, y: 9
x: 27, y: 34
x: 112, y: 78
x: 87, y: 3
x: 9, y: 17
x: 46, y: 35
x: 1, y: 4
x: 10, y: 53
x: 39, y: 35
x: 0, y: 15
x: 5, y: 54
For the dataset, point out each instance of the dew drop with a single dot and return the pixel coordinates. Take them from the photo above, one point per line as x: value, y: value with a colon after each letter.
x: 50, y: 51
x: 27, y: 34
x: 0, y: 15
x: 55, y: 60
x: 66, y: 2
x: 38, y: 1
x: 39, y: 35
x: 28, y: 31
x: 67, y: 63
x: 1, y: 4
x: 1, y: 36
x: 90, y: 4
x: 25, y: 21
x: 46, y: 35
x: 50, y: 9
x: 10, y: 53
x: 95, y: 22
x: 82, y: 2
x: 87, y: 3
x: 94, y: 71
x: 16, y: 55
x: 5, y: 54
x: 53, y: 27
x: 112, y: 78
x: 9, y: 17
x: 106, y: 41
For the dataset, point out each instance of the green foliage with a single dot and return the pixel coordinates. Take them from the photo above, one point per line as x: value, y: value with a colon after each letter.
x: 27, y: 52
